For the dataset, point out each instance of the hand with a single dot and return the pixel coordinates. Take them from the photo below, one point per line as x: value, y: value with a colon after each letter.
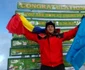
x: 83, y: 17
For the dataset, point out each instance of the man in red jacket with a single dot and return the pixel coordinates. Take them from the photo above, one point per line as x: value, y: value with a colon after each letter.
x: 50, y: 42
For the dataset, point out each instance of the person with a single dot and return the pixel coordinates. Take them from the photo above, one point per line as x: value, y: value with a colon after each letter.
x: 50, y: 42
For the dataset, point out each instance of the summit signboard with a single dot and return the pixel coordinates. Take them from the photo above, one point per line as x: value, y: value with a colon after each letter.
x: 43, y: 6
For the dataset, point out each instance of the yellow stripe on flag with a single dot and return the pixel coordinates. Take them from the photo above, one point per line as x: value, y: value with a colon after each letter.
x: 26, y: 23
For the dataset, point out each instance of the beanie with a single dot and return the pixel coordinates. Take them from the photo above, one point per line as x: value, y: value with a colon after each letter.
x: 49, y: 23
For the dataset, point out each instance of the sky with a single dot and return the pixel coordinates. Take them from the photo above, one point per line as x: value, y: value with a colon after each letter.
x: 7, y: 9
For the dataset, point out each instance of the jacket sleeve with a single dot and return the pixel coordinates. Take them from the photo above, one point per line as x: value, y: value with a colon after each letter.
x: 30, y: 35
x: 70, y: 34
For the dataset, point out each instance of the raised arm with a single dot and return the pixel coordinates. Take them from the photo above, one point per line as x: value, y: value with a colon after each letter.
x: 15, y: 26
x: 70, y: 34
x: 30, y: 35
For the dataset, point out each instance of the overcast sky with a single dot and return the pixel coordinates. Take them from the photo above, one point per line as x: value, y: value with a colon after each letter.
x: 7, y: 9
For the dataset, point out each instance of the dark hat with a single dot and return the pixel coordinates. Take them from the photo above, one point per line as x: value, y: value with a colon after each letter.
x: 49, y: 23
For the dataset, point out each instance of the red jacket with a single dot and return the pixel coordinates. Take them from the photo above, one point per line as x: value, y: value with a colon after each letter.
x: 51, y: 46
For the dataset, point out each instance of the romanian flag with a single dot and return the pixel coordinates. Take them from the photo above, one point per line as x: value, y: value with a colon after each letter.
x: 18, y: 24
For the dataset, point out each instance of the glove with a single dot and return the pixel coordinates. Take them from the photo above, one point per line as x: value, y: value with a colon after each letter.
x: 82, y: 16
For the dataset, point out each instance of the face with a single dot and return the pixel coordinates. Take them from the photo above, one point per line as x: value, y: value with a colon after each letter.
x: 50, y: 28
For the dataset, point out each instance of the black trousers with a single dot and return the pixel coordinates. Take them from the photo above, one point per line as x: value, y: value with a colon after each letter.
x: 59, y: 67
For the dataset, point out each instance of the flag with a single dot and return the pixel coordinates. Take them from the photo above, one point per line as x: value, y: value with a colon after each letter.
x: 76, y: 53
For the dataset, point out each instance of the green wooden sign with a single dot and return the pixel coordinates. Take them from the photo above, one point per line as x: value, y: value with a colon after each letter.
x: 24, y: 51
x: 23, y: 63
x: 14, y: 36
x: 32, y: 63
x: 23, y: 42
x: 17, y: 36
x: 44, y: 6
x: 20, y: 46
x: 58, y: 23
x: 31, y: 50
x: 50, y: 15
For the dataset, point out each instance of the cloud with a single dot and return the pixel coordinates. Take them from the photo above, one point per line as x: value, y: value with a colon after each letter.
x: 5, y: 44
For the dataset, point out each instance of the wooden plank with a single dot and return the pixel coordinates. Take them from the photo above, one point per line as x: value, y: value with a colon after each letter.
x: 32, y: 63
x: 58, y: 23
x: 55, y: 15
x: 44, y: 6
